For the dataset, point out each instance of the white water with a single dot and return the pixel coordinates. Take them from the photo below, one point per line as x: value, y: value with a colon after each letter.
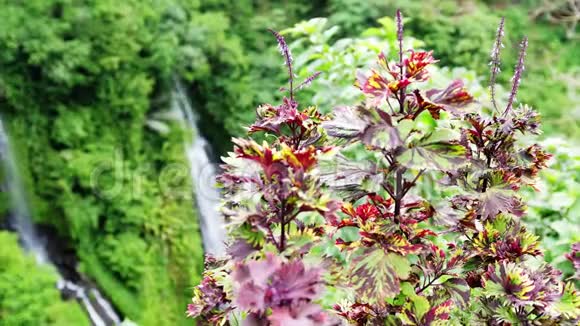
x: 203, y: 174
x: 96, y: 307
x: 105, y: 306
x: 99, y: 310
x: 20, y: 214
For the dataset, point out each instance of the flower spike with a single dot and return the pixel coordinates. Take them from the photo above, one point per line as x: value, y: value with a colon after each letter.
x: 495, y: 62
x: 399, y: 19
x: 308, y: 81
x: 285, y: 51
x: 516, y: 79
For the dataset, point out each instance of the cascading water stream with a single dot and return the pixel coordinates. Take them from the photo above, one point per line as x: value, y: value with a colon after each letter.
x: 98, y: 309
x: 203, y: 174
x: 19, y: 218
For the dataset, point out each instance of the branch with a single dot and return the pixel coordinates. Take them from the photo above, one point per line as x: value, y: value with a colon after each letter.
x: 388, y: 190
x: 485, y: 181
x: 429, y: 284
x: 271, y: 235
x: 412, y: 184
x: 283, y: 230
x: 431, y: 281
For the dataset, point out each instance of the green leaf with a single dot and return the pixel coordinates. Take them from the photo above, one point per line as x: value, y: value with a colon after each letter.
x: 407, y: 289
x: 459, y: 290
x: 400, y: 264
x: 436, y: 150
x: 420, y: 306
x: 405, y: 127
x: 569, y: 304
x: 507, y: 315
x: 433, y: 156
x: 375, y: 274
x: 425, y: 122
x: 348, y: 234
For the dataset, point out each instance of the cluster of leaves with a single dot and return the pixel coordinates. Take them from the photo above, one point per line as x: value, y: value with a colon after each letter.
x: 321, y: 237
x: 268, y: 188
x: 244, y: 67
x: 554, y: 211
x: 338, y: 59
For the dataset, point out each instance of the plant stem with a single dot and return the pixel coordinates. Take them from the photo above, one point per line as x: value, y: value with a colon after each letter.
x: 485, y: 181
x: 398, y: 193
x: 390, y: 106
x: 402, y: 101
x: 406, y: 190
x: 271, y: 235
x: 429, y: 283
x: 291, y: 81
x: 283, y: 230
x: 402, y: 91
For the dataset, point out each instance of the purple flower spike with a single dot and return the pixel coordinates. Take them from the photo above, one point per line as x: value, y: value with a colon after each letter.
x: 285, y: 51
x: 495, y: 62
x: 516, y: 79
x: 308, y: 81
x: 399, y: 26
x: 399, y: 20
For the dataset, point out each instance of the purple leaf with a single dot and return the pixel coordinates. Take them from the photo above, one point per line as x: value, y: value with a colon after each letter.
x: 459, y: 290
x: 496, y: 201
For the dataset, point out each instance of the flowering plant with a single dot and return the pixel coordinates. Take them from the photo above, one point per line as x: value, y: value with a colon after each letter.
x: 326, y: 226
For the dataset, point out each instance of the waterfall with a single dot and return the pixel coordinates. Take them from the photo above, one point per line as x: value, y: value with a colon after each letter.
x: 19, y: 218
x: 98, y: 309
x: 203, y: 174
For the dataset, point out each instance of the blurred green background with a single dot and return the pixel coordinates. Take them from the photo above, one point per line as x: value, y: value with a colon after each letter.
x: 82, y: 82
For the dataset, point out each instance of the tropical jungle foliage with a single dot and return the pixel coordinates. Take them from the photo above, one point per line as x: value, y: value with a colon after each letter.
x: 84, y: 80
x: 325, y: 226
x: 85, y: 86
x: 28, y: 294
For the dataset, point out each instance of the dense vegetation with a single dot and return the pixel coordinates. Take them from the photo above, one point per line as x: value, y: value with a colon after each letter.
x: 78, y: 85
x: 327, y: 225
x: 84, y: 86
x: 28, y: 295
